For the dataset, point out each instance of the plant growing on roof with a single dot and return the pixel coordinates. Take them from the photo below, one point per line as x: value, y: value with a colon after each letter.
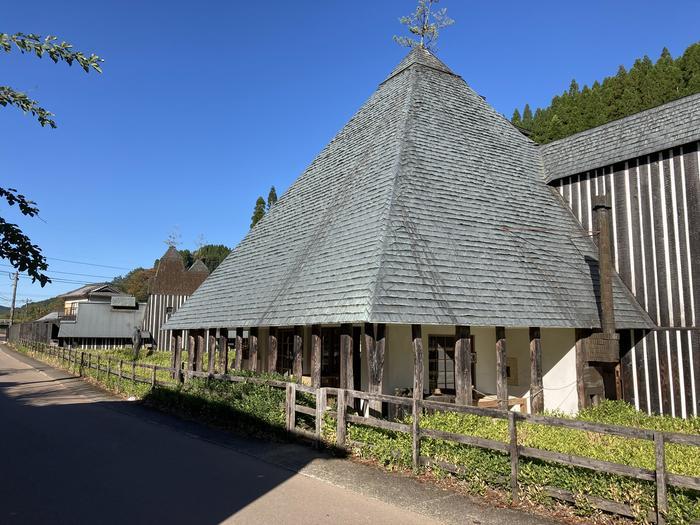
x: 15, y: 246
x: 424, y: 25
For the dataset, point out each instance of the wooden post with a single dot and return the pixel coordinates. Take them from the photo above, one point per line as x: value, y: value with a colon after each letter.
x: 536, y: 388
x: 316, y: 356
x: 82, y: 360
x: 190, y: 352
x: 239, y: 349
x: 133, y: 371
x: 98, y: 367
x: 119, y: 379
x: 272, y: 350
x: 177, y: 356
x: 501, y: 369
x: 321, y: 402
x: 346, y: 372
x: 199, y: 352
x: 211, y: 366
x: 173, y: 346
x: 581, y: 365
x: 341, y: 426
x: 514, y: 458
x: 375, y: 362
x: 253, y: 349
x: 417, y: 361
x: 298, y: 369
x: 661, y: 492
x: 415, y: 427
x: 463, y: 365
x: 153, y: 377
x: 290, y: 405
x: 223, y: 350
x: 109, y: 368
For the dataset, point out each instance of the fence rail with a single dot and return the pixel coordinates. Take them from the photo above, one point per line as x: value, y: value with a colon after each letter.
x: 662, y: 479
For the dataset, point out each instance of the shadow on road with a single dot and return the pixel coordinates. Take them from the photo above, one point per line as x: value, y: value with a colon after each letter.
x: 68, y: 460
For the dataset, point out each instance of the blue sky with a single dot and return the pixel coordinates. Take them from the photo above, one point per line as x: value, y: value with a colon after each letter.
x: 204, y: 105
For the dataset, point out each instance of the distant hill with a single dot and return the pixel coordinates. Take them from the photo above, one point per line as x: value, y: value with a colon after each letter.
x: 644, y: 86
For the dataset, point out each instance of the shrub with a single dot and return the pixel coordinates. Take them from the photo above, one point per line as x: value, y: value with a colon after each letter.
x: 486, y: 468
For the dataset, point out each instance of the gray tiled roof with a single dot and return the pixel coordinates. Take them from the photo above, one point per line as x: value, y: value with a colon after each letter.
x: 427, y: 207
x: 656, y: 129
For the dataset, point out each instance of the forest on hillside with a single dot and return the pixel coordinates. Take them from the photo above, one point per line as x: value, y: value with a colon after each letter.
x: 646, y: 85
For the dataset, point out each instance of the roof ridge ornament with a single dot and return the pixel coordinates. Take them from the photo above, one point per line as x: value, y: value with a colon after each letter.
x: 425, y: 25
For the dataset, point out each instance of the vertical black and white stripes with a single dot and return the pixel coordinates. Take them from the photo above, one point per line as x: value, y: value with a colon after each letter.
x: 158, y: 309
x: 656, y: 234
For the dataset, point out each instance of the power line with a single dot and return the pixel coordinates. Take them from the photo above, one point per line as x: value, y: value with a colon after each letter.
x: 89, y: 264
x: 70, y: 273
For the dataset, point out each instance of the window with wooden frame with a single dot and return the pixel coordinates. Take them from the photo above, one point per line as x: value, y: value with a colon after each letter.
x: 512, y: 370
x: 285, y: 351
x: 441, y: 363
x: 245, y: 346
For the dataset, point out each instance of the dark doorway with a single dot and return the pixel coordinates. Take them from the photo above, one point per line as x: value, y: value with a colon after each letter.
x: 330, y: 357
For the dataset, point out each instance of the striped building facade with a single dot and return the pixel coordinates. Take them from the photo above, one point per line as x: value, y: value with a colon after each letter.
x: 158, y: 309
x: 169, y: 288
x: 656, y: 250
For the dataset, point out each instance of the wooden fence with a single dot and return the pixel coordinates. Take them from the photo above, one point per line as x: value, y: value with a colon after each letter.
x: 80, y: 360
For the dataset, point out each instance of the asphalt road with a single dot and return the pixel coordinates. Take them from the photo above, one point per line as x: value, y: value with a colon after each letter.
x: 70, y: 453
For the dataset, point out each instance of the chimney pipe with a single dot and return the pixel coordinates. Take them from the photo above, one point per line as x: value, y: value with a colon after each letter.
x: 601, y: 209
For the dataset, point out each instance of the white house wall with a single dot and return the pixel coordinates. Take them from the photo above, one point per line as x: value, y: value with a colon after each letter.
x: 558, y: 362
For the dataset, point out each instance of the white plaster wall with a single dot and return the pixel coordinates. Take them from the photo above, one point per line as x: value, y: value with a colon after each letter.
x: 558, y: 362
x: 559, y: 370
x: 398, y: 363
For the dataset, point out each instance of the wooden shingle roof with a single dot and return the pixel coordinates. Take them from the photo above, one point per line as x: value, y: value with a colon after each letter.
x: 667, y: 126
x: 427, y: 207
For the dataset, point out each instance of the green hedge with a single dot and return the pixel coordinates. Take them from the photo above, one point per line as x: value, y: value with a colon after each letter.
x: 492, y: 469
x: 241, y: 406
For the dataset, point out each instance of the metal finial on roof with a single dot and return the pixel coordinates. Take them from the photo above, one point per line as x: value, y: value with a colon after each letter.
x: 425, y: 25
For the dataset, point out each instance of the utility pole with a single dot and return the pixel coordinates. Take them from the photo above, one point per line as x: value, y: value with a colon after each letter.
x: 15, y: 278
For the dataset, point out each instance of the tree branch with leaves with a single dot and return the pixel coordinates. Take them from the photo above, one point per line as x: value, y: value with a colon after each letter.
x: 15, y: 246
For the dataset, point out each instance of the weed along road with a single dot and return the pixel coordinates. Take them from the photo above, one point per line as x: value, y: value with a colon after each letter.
x: 73, y: 454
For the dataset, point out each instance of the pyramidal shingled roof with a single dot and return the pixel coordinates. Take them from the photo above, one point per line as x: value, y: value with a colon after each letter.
x: 427, y: 207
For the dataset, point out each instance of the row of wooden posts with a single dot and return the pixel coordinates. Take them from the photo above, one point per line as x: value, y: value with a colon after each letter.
x: 375, y: 345
x: 346, y: 399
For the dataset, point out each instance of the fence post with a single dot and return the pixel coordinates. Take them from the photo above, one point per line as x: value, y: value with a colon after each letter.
x: 290, y: 405
x: 416, y: 434
x: 341, y: 426
x: 153, y: 377
x: 661, y: 496
x: 119, y: 379
x: 514, y: 457
x: 98, y: 367
x: 133, y: 371
x: 109, y: 368
x: 82, y: 361
x: 321, y: 401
